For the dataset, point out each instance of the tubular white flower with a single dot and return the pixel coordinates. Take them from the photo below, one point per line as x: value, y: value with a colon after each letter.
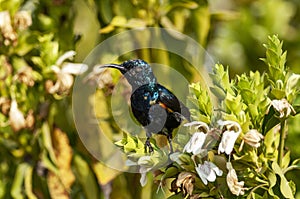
x: 16, y: 117
x: 67, y: 55
x: 195, y: 144
x: 253, y: 138
x: 232, y: 132
x: 185, y: 180
x: 283, y: 107
x: 198, y: 125
x: 6, y: 28
x: 64, y: 74
x: 22, y: 19
x: 208, y: 172
x: 236, y: 187
x: 146, y: 164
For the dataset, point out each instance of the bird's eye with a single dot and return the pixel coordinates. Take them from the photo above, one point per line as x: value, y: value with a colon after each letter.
x: 155, y: 96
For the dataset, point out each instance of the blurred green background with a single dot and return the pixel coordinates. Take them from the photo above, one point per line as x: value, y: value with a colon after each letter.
x: 48, y: 160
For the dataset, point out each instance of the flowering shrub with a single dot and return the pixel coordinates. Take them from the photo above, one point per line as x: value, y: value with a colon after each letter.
x: 236, y: 147
x: 36, y: 76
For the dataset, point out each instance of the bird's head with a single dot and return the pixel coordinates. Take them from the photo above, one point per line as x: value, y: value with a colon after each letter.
x: 137, y: 72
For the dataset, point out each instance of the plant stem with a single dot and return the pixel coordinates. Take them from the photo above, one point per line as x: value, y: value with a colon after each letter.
x: 281, y: 142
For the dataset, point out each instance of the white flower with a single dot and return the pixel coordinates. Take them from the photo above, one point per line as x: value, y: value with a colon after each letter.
x: 146, y: 164
x: 253, y: 138
x: 25, y: 75
x: 208, y: 172
x: 6, y: 28
x: 229, y: 136
x: 186, y: 180
x: 16, y: 117
x: 22, y: 19
x: 99, y: 76
x: 292, y: 85
x: 198, y: 126
x: 236, y: 187
x: 283, y: 107
x: 64, y: 74
x: 195, y: 144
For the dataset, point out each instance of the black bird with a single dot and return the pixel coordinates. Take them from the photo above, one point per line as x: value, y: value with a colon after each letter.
x: 153, y: 105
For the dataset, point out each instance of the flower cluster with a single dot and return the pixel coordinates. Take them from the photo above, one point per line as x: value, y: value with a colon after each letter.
x: 231, y: 157
x: 199, y: 149
x: 21, y: 21
x: 64, y: 71
x: 235, y: 150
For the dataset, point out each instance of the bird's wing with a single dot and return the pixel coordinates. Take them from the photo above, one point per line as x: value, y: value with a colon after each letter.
x: 170, y: 102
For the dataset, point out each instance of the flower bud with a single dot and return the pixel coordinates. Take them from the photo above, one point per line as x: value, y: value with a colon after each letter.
x: 236, y: 187
x: 30, y: 120
x: 185, y: 180
x: 253, y: 138
x: 25, y: 76
x: 283, y: 107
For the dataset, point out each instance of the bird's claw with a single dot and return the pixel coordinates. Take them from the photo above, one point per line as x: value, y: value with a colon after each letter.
x: 148, y: 145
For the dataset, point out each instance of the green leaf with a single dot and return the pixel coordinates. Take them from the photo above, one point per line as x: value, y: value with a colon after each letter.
x: 218, y: 92
x: 220, y: 78
x: 284, y: 184
x: 86, y: 178
x: 272, y: 180
x: 170, y: 172
x: 17, y: 186
x: 26, y: 42
x: 185, y: 4
x: 48, y: 163
x: 201, y: 19
x: 286, y: 160
x: 28, y: 183
x: 47, y: 141
x: 292, y: 87
x: 199, y: 103
x: 104, y: 174
x: 119, y: 21
x: 278, y: 93
x: 275, y: 59
x: 271, y: 142
x: 105, y: 10
x: 269, y: 121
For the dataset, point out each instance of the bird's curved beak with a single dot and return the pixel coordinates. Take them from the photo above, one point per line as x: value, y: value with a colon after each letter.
x: 116, y: 66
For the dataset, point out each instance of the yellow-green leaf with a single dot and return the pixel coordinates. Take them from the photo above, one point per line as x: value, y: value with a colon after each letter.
x: 104, y: 174
x: 86, y: 178
x: 17, y: 186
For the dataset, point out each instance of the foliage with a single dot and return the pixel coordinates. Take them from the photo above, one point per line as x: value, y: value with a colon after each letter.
x: 238, y: 150
x: 36, y: 78
x: 41, y: 155
x: 258, y: 19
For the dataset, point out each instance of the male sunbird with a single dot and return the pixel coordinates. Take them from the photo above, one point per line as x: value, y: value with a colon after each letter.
x: 155, y: 107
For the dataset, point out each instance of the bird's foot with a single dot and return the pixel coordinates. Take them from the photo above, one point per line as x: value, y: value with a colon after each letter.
x: 169, y: 136
x: 148, y: 146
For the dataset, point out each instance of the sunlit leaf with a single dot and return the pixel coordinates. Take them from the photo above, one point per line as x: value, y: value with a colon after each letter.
x: 104, y: 174
x: 28, y: 183
x: 86, y: 178
x: 17, y: 186
x: 284, y: 185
